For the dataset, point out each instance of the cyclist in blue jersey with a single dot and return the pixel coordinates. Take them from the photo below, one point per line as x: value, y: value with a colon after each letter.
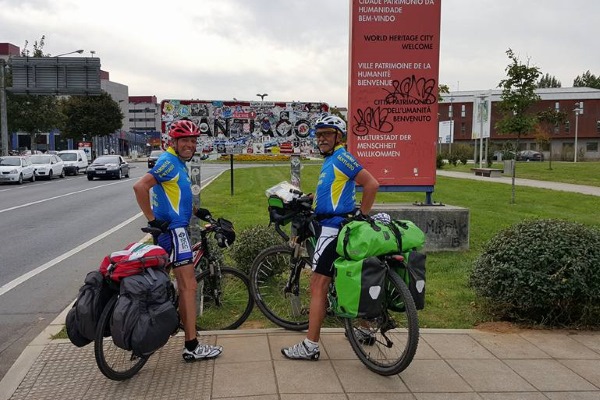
x: 168, y: 206
x: 334, y: 201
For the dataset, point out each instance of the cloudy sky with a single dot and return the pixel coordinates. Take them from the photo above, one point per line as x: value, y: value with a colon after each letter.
x: 290, y: 49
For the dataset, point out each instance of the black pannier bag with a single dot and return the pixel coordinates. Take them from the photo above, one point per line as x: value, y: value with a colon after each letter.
x: 83, y: 317
x: 144, y: 316
x: 412, y: 272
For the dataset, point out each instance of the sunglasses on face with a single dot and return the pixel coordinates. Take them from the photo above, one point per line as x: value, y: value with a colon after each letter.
x: 324, y: 132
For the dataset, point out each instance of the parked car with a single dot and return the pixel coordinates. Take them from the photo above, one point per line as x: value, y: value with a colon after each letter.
x: 16, y: 169
x: 76, y: 161
x: 110, y: 166
x: 48, y: 166
x: 530, y: 155
x: 154, y: 154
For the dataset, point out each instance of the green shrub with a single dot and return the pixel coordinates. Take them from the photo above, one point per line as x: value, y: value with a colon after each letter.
x: 251, y: 241
x: 453, y: 159
x: 542, y: 272
x: 439, y: 161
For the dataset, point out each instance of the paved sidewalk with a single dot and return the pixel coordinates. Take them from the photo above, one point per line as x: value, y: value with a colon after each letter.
x: 450, y: 364
x: 564, y: 187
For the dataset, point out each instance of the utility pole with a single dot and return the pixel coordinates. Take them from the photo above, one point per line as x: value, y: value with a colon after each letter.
x: 3, y: 112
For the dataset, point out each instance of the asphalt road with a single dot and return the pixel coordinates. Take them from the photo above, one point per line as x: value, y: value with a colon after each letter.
x: 52, y: 234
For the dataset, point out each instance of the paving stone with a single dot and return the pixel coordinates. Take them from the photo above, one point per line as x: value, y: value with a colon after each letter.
x: 549, y: 375
x: 433, y: 376
x: 490, y: 376
x: 356, y: 378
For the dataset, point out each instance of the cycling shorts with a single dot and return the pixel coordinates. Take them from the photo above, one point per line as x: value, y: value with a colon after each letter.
x: 325, y: 253
x: 178, y: 244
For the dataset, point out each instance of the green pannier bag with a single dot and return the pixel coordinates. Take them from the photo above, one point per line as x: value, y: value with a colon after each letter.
x: 358, y: 240
x: 359, y: 287
x: 412, y: 271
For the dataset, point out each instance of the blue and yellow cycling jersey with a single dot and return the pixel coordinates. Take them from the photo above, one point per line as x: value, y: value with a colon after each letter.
x: 335, y: 194
x: 172, y: 197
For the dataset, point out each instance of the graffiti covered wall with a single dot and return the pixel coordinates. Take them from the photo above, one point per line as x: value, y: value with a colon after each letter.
x: 247, y: 126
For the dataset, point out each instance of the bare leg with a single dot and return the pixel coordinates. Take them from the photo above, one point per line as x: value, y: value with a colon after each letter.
x: 319, y: 285
x: 186, y: 284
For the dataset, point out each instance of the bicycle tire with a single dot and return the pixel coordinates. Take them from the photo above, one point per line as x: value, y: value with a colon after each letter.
x: 392, y: 353
x: 225, y: 304
x: 115, y: 363
x: 269, y: 274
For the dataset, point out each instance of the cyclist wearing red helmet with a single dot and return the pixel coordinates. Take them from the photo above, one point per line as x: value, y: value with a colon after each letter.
x: 164, y: 195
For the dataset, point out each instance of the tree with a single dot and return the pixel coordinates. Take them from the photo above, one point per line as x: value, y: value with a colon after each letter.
x: 548, y: 81
x: 91, y: 116
x: 33, y: 114
x: 548, y: 120
x: 587, y: 79
x: 518, y: 95
x: 442, y: 89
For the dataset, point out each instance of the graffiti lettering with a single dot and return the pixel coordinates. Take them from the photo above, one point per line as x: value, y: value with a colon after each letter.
x: 369, y: 118
x: 446, y: 228
x: 420, y: 89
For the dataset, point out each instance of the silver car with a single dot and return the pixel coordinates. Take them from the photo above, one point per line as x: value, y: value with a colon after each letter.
x: 48, y: 166
x: 16, y: 169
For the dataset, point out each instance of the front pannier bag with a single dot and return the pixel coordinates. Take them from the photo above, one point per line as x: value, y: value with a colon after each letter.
x: 83, y: 316
x: 359, y: 287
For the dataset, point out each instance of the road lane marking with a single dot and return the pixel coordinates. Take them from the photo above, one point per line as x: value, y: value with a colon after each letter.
x: 16, y: 282
x: 57, y: 197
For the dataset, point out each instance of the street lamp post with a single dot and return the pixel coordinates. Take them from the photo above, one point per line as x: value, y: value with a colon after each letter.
x: 72, y: 52
x: 481, y: 109
x: 262, y: 96
x: 578, y: 110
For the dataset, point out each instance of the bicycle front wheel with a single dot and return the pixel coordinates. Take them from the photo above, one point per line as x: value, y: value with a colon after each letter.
x: 269, y: 276
x: 387, y: 344
x: 115, y: 363
x: 222, y: 302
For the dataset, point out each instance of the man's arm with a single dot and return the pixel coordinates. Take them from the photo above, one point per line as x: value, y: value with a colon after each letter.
x: 370, y: 187
x: 142, y: 194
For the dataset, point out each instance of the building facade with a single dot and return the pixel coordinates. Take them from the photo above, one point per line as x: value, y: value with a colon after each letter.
x: 580, y: 104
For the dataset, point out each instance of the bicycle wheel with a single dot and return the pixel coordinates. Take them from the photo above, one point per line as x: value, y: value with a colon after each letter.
x: 387, y: 344
x: 222, y: 303
x: 269, y: 275
x: 115, y: 363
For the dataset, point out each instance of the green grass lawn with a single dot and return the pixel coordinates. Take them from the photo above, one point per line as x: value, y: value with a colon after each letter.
x: 450, y: 302
x: 583, y: 173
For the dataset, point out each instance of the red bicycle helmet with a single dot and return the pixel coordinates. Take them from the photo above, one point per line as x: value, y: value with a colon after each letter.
x: 183, y: 128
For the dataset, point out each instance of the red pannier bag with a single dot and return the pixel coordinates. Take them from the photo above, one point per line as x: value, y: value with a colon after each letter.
x: 133, y: 260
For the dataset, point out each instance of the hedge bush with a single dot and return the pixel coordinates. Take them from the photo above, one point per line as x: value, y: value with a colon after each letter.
x: 251, y: 241
x: 543, y: 272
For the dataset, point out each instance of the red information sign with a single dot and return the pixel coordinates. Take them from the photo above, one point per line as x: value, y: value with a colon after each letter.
x: 394, y: 66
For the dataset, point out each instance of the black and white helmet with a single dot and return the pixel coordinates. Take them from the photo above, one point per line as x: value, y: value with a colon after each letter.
x: 331, y: 121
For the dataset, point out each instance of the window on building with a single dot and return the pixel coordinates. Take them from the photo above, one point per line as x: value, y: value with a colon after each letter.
x: 567, y: 127
x: 557, y: 106
x: 591, y: 147
x: 463, y: 111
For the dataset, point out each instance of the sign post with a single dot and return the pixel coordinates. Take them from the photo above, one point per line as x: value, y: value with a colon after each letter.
x: 196, y: 178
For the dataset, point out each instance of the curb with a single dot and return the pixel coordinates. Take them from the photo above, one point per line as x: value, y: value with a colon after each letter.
x: 17, y: 372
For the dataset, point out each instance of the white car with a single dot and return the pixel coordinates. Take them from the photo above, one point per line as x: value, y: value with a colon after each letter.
x: 48, y: 166
x: 16, y: 169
